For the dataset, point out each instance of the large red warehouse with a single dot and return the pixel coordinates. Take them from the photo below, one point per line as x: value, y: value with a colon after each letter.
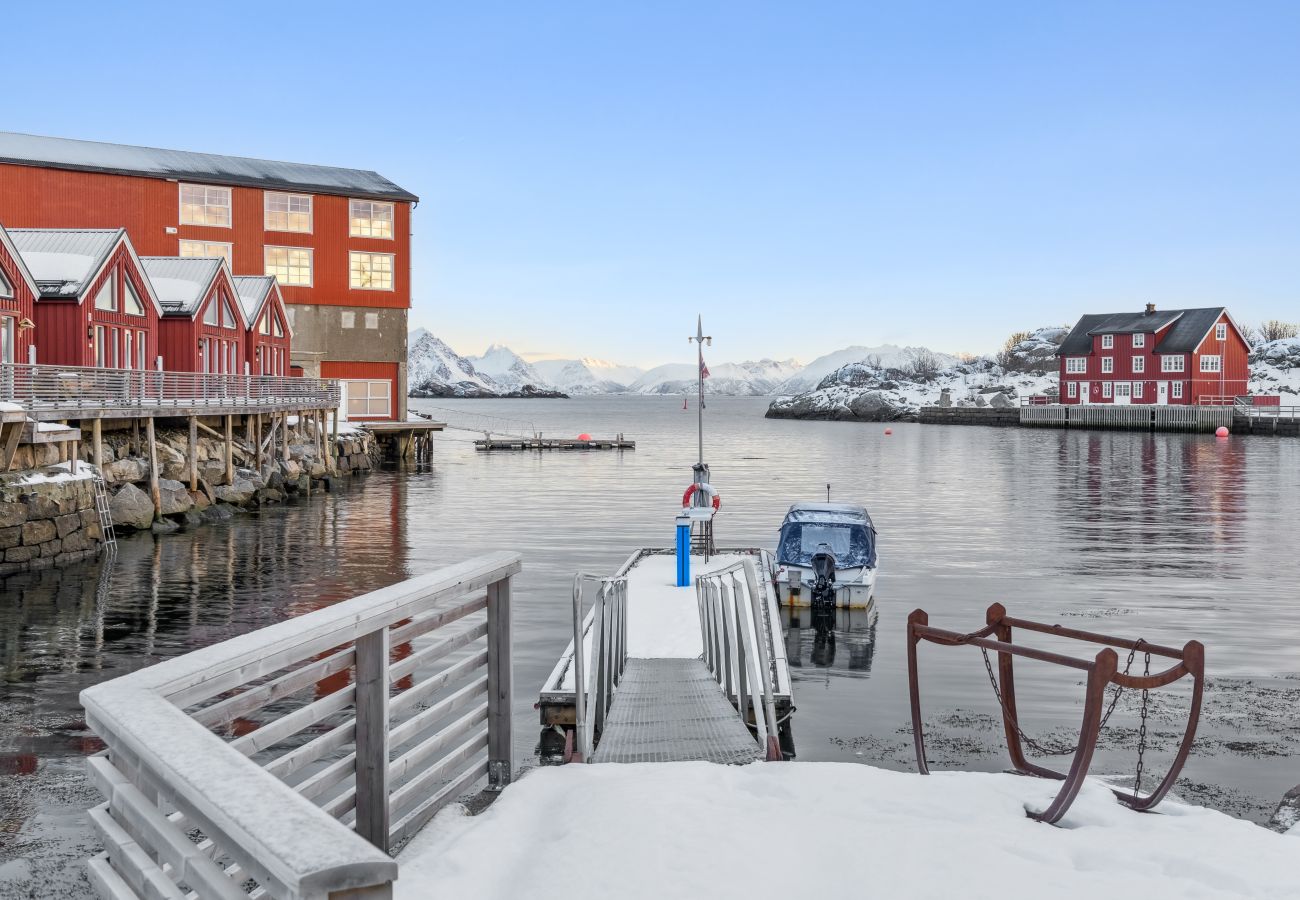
x: 337, y: 239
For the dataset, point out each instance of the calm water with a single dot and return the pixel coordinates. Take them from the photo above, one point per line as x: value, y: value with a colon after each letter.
x: 1167, y: 537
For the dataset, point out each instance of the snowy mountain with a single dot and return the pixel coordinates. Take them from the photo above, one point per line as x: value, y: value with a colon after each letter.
x: 889, y: 356
x: 435, y: 370
x: 587, y: 375
x: 508, y: 369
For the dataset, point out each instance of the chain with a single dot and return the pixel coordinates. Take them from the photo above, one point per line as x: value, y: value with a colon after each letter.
x: 1142, y: 734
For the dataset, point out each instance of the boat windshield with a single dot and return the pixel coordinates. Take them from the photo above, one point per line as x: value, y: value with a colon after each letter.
x: 853, y: 545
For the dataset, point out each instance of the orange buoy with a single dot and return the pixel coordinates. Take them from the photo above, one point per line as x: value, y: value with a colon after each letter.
x: 584, y: 437
x: 1221, y: 431
x: 889, y: 431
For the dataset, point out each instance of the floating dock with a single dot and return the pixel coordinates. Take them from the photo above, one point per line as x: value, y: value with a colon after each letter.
x: 538, y: 443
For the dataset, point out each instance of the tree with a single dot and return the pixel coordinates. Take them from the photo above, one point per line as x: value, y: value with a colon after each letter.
x: 1007, y: 357
x: 922, y: 364
x: 1276, y: 330
x: 873, y: 361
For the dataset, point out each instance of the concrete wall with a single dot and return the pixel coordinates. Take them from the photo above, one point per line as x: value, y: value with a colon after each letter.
x: 320, y: 332
x: 46, y: 522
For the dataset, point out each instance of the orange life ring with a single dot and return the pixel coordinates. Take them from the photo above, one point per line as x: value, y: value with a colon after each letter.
x: 690, y: 492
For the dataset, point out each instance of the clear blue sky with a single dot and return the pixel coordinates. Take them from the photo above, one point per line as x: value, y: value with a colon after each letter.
x: 807, y: 175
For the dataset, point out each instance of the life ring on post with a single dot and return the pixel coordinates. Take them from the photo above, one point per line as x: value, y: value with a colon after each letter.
x: 708, y: 489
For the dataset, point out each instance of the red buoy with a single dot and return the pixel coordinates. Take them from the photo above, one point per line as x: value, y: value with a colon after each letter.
x: 584, y: 437
x: 889, y: 431
x: 1221, y: 431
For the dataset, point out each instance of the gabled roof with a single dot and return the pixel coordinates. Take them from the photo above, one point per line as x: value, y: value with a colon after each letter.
x: 23, y: 272
x: 1188, y: 327
x: 211, y: 168
x: 254, y: 291
x: 64, y: 261
x: 182, y: 282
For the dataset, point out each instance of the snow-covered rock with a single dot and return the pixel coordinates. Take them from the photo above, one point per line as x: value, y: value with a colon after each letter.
x: 888, y: 356
x: 1275, y: 369
x: 435, y: 370
x: 508, y: 369
x: 587, y: 375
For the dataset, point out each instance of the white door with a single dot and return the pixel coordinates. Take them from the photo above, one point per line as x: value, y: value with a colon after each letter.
x: 1162, y: 393
x: 1123, y: 391
x: 1084, y: 396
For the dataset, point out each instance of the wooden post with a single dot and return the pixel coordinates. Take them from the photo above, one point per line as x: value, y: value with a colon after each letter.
x: 97, y: 443
x: 230, y: 449
x: 284, y: 436
x: 135, y: 436
x: 372, y: 737
x: 75, y: 456
x: 193, y: 453
x: 334, y: 444
x: 500, y: 685
x: 154, y: 491
x: 11, y: 445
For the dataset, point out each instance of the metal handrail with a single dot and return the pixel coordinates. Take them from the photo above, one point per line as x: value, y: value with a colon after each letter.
x: 608, y: 650
x: 79, y: 388
x: 735, y: 647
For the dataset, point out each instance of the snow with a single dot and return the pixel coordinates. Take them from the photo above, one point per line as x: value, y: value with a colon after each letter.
x: 432, y: 364
x: 59, y: 473
x: 663, y: 620
x: 5, y: 406
x: 48, y: 265
x: 508, y: 369
x: 175, y: 290
x: 587, y: 375
x: 677, y: 830
x: 891, y: 356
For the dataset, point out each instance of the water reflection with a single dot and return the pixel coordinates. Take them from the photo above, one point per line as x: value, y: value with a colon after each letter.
x: 839, y: 640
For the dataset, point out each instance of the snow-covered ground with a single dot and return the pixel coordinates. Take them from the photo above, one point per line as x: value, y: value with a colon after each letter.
x: 831, y: 830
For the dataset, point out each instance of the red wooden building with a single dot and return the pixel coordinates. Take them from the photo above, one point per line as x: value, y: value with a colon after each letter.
x: 268, y: 340
x: 96, y: 306
x: 1176, y: 356
x: 337, y: 239
x: 18, y: 292
x: 203, y: 325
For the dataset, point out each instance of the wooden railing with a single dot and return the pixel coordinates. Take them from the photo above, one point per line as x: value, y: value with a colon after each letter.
x: 73, y: 389
x: 287, y: 762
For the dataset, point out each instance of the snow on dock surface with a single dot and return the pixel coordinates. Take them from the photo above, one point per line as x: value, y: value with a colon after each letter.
x: 828, y: 830
x: 663, y: 620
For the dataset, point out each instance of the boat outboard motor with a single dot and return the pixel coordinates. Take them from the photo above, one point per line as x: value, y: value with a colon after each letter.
x: 823, y: 591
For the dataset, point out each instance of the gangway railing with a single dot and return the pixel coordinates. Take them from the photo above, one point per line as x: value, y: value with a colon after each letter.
x: 287, y: 762
x: 598, y: 663
x: 736, y: 651
x: 460, y: 420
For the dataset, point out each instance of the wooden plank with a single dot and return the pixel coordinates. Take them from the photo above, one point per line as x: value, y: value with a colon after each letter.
x: 107, y: 883
x: 413, y: 821
x: 130, y: 860
x: 444, y: 707
x: 410, y: 697
x: 500, y: 685
x: 154, y: 492
x: 97, y: 443
x: 434, y: 744
x: 284, y: 440
x: 425, y: 655
x: 372, y: 737
x: 192, y: 453
x: 286, y: 685
x: 276, y: 730
x: 414, y: 790
x: 11, y: 445
x: 230, y: 449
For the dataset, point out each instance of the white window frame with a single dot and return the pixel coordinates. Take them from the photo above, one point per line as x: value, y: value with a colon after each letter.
x: 227, y: 252
x: 6, y: 289
x: 212, y: 312
x: 311, y: 264
x: 131, y: 293
x: 386, y: 397
x: 392, y: 271
x: 353, y: 218
x: 110, y: 286
x: 1172, y: 362
x: 372, y: 321
x: 128, y: 348
x: 1137, y: 390
x: 1108, y: 342
x: 1221, y: 331
x: 1139, y: 364
x: 1106, y: 389
x: 141, y: 346
x: 1139, y: 340
x: 1072, y: 389
x: 1176, y: 389
x: 1076, y: 365
x: 1123, y: 389
x: 1211, y: 362
x: 289, y: 198
x: 229, y: 205
x: 1107, y: 365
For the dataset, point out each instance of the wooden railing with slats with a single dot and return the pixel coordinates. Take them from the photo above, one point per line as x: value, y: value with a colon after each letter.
x: 287, y: 762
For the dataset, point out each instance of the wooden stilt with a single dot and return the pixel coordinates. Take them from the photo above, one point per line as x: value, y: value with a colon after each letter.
x: 334, y: 444
x: 193, y: 453
x: 11, y: 445
x: 135, y: 436
x: 154, y: 493
x: 284, y: 436
x: 74, y: 457
x: 97, y: 443
x: 230, y: 449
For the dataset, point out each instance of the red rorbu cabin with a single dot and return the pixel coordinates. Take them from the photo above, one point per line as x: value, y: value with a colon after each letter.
x: 203, y: 324
x: 268, y: 339
x: 118, y: 327
x: 1175, y: 356
x: 18, y: 293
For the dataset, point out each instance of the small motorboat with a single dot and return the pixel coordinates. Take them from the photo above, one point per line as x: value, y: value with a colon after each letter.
x: 826, y: 556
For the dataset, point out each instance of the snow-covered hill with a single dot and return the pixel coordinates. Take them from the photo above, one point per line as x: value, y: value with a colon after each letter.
x: 587, y: 375
x: 889, y: 356
x: 435, y: 370
x: 1275, y: 369
x: 746, y: 379
x: 508, y: 369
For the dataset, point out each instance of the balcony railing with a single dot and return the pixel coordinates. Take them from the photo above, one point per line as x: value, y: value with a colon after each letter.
x: 73, y: 389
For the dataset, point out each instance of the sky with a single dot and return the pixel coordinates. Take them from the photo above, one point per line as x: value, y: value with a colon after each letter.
x: 804, y: 175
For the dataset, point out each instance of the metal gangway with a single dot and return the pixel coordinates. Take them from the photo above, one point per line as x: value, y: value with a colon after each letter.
x: 719, y: 707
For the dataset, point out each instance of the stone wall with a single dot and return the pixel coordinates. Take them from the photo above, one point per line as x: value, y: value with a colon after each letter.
x: 47, y: 518
x: 968, y: 415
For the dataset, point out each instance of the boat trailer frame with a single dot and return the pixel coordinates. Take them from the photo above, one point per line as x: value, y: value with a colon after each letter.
x: 1102, y: 670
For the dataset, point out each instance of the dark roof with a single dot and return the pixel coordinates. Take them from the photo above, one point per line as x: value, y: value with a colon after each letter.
x: 151, y: 162
x: 1189, y: 328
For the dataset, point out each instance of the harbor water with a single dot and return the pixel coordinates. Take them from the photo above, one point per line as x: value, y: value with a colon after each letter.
x: 1168, y: 537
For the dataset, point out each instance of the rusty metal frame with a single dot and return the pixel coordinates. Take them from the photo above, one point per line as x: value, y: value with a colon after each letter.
x: 1101, y: 671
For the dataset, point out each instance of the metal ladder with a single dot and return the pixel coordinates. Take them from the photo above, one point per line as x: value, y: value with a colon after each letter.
x: 105, y: 513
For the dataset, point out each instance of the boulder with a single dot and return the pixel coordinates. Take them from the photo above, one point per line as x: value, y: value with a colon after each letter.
x: 191, y: 518
x: 164, y: 526
x: 12, y: 514
x: 269, y: 495
x: 290, y: 470
x: 171, y: 463
x: 131, y: 508
x: 201, y: 501
x: 40, y: 507
x: 239, y: 493
x: 67, y: 524
x: 1001, y: 401
x: 980, y: 401
x: 873, y: 406
x: 126, y: 470
x: 39, y: 532
x: 175, y: 497
x: 10, y: 537
x: 218, y: 512
x: 945, y: 398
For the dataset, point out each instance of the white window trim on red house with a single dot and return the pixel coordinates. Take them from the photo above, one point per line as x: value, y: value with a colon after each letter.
x: 1139, y: 364
x: 1106, y: 388
x: 1172, y: 363
x: 1107, y: 341
x: 1107, y: 365
x: 1176, y: 389
x: 1076, y: 365
x: 1211, y: 362
x: 1139, y: 340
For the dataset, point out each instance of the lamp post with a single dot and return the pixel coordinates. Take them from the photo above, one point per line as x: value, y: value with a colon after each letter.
x: 700, y: 339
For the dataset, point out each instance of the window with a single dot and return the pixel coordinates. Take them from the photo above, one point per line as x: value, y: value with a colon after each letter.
x: 140, y: 349
x: 290, y: 265
x: 347, y: 319
x: 210, y: 312
x: 1139, y: 364
x: 131, y: 300
x: 6, y: 339
x: 370, y: 271
x: 99, y: 345
x: 1221, y: 331
x: 6, y: 289
x: 1105, y: 388
x: 1171, y: 364
x: 287, y: 212
x: 372, y: 320
x: 107, y: 297
x: 276, y: 327
x: 1210, y: 363
x: 209, y: 249
x: 1107, y: 364
x: 1107, y: 341
x: 1072, y: 389
x: 368, y: 218
x: 1175, y: 389
x: 1139, y: 340
x: 227, y: 314
x: 264, y: 327
x: 1122, y: 389
x: 1137, y: 389
x: 369, y: 398
x: 1076, y: 365
x: 205, y: 205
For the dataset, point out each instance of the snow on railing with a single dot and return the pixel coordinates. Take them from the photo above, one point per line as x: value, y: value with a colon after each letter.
x: 597, y: 664
x: 286, y: 762
x: 79, y: 388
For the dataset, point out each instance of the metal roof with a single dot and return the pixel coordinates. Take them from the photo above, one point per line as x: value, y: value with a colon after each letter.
x: 1188, y: 328
x: 181, y: 282
x: 63, y: 261
x: 253, y: 291
x: 23, y: 271
x: 152, y: 162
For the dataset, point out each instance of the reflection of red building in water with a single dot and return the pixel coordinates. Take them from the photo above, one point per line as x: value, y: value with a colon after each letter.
x: 1176, y: 357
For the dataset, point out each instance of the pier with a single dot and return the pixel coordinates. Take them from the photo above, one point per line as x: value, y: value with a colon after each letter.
x: 618, y: 442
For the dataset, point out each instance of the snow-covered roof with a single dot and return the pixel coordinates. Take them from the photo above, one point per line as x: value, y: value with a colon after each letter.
x: 64, y: 261
x: 20, y: 264
x: 254, y: 291
x: 182, y: 282
x: 152, y: 162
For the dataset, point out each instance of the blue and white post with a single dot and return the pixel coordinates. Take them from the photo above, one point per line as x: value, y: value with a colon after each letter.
x: 684, y: 551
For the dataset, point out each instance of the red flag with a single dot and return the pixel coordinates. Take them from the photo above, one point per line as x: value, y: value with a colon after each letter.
x: 704, y: 370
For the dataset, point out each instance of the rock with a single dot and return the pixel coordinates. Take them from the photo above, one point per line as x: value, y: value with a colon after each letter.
x: 874, y: 407
x: 125, y: 470
x: 89, y: 517
x: 269, y: 495
x: 10, y: 537
x: 171, y: 463
x: 980, y: 401
x: 39, y: 532
x: 239, y: 493
x: 164, y: 526
x: 175, y: 497
x: 67, y: 524
x: 191, y: 518
x: 78, y: 541
x: 12, y: 514
x: 290, y: 470
x: 218, y: 512
x: 318, y: 470
x: 40, y: 507
x: 131, y: 508
x: 945, y: 398
x: 51, y: 548
x: 21, y: 554
x: 1001, y: 401
x: 304, y: 483
x: 276, y: 480
x: 200, y: 500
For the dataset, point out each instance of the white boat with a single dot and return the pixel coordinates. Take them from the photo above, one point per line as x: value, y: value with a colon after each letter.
x: 826, y: 555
